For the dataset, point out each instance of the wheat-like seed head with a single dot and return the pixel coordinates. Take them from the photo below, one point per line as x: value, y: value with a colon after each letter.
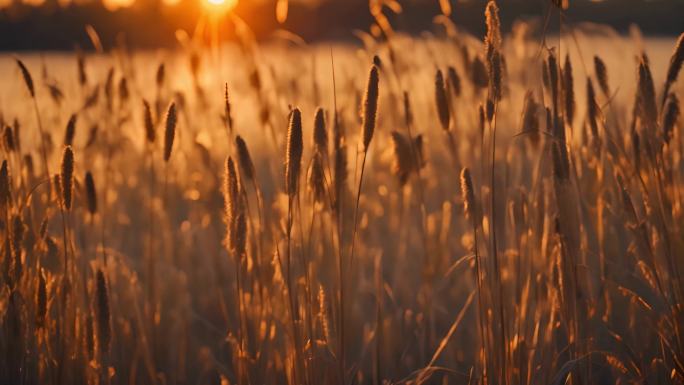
x: 636, y: 149
x: 231, y: 198
x: 149, y: 124
x: 28, y: 80
x: 70, y: 130
x: 441, y: 101
x: 161, y: 75
x: 454, y: 81
x: 403, y: 159
x: 377, y: 61
x: 170, y: 133
x: 66, y: 176
x: 320, y: 134
x: 601, y: 75
x: 91, y: 194
x: 671, y: 116
x: 5, y: 185
x: 490, y: 107
x: 675, y: 66
x: 408, y: 112
x: 81, y: 64
x: 293, y: 152
x: 16, y: 128
x: 471, y: 207
x: 496, y: 75
x: 370, y: 107
x: 244, y: 158
x: 317, y: 178
x: 124, y: 93
x: 530, y: 119
x: 493, y: 36
x: 592, y: 108
x: 8, y: 139
x: 568, y: 91
x: 552, y: 69
x: 109, y: 89
x: 647, y: 103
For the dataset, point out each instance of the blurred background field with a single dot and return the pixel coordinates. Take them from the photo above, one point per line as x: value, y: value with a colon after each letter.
x: 25, y: 26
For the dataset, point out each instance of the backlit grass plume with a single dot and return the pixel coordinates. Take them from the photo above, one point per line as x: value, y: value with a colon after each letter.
x: 8, y: 139
x: 70, y: 130
x: 441, y: 101
x: 26, y: 75
x: 601, y: 73
x: 592, y: 108
x: 370, y: 107
x: 293, y: 152
x: 675, y: 66
x: 244, y: 158
x: 91, y: 194
x: 568, y: 91
x: 148, y: 122
x: 230, y: 198
x: 170, y: 133
x: 67, y: 176
x: 671, y: 115
x: 470, y: 205
x: 5, y: 185
x: 648, y: 110
x: 320, y: 134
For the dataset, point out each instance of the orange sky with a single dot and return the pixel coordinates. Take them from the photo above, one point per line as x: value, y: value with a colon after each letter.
x: 115, y: 4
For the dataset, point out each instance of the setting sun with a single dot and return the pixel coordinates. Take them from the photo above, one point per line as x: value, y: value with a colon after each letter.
x: 219, y: 6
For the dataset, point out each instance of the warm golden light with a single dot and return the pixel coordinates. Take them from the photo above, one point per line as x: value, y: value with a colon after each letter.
x: 219, y: 6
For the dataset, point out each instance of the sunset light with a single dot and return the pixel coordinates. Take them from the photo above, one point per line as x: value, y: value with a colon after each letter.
x: 219, y: 6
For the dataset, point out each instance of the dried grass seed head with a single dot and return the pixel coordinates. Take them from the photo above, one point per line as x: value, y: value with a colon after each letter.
x: 244, y: 158
x: 370, y: 107
x: 70, y: 130
x: 26, y: 75
x: 91, y: 193
x: 170, y: 133
x: 568, y: 91
x: 293, y: 152
x: 601, y: 73
x: 441, y: 101
x: 671, y: 116
x: 148, y: 121
x: 66, y: 176
x: 320, y: 134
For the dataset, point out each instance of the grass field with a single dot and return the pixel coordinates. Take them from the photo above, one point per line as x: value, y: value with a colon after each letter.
x: 455, y: 212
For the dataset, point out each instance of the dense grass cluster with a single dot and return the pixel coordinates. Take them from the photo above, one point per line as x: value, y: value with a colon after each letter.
x: 441, y: 209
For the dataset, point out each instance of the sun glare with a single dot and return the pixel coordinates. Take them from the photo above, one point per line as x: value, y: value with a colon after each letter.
x: 219, y: 6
